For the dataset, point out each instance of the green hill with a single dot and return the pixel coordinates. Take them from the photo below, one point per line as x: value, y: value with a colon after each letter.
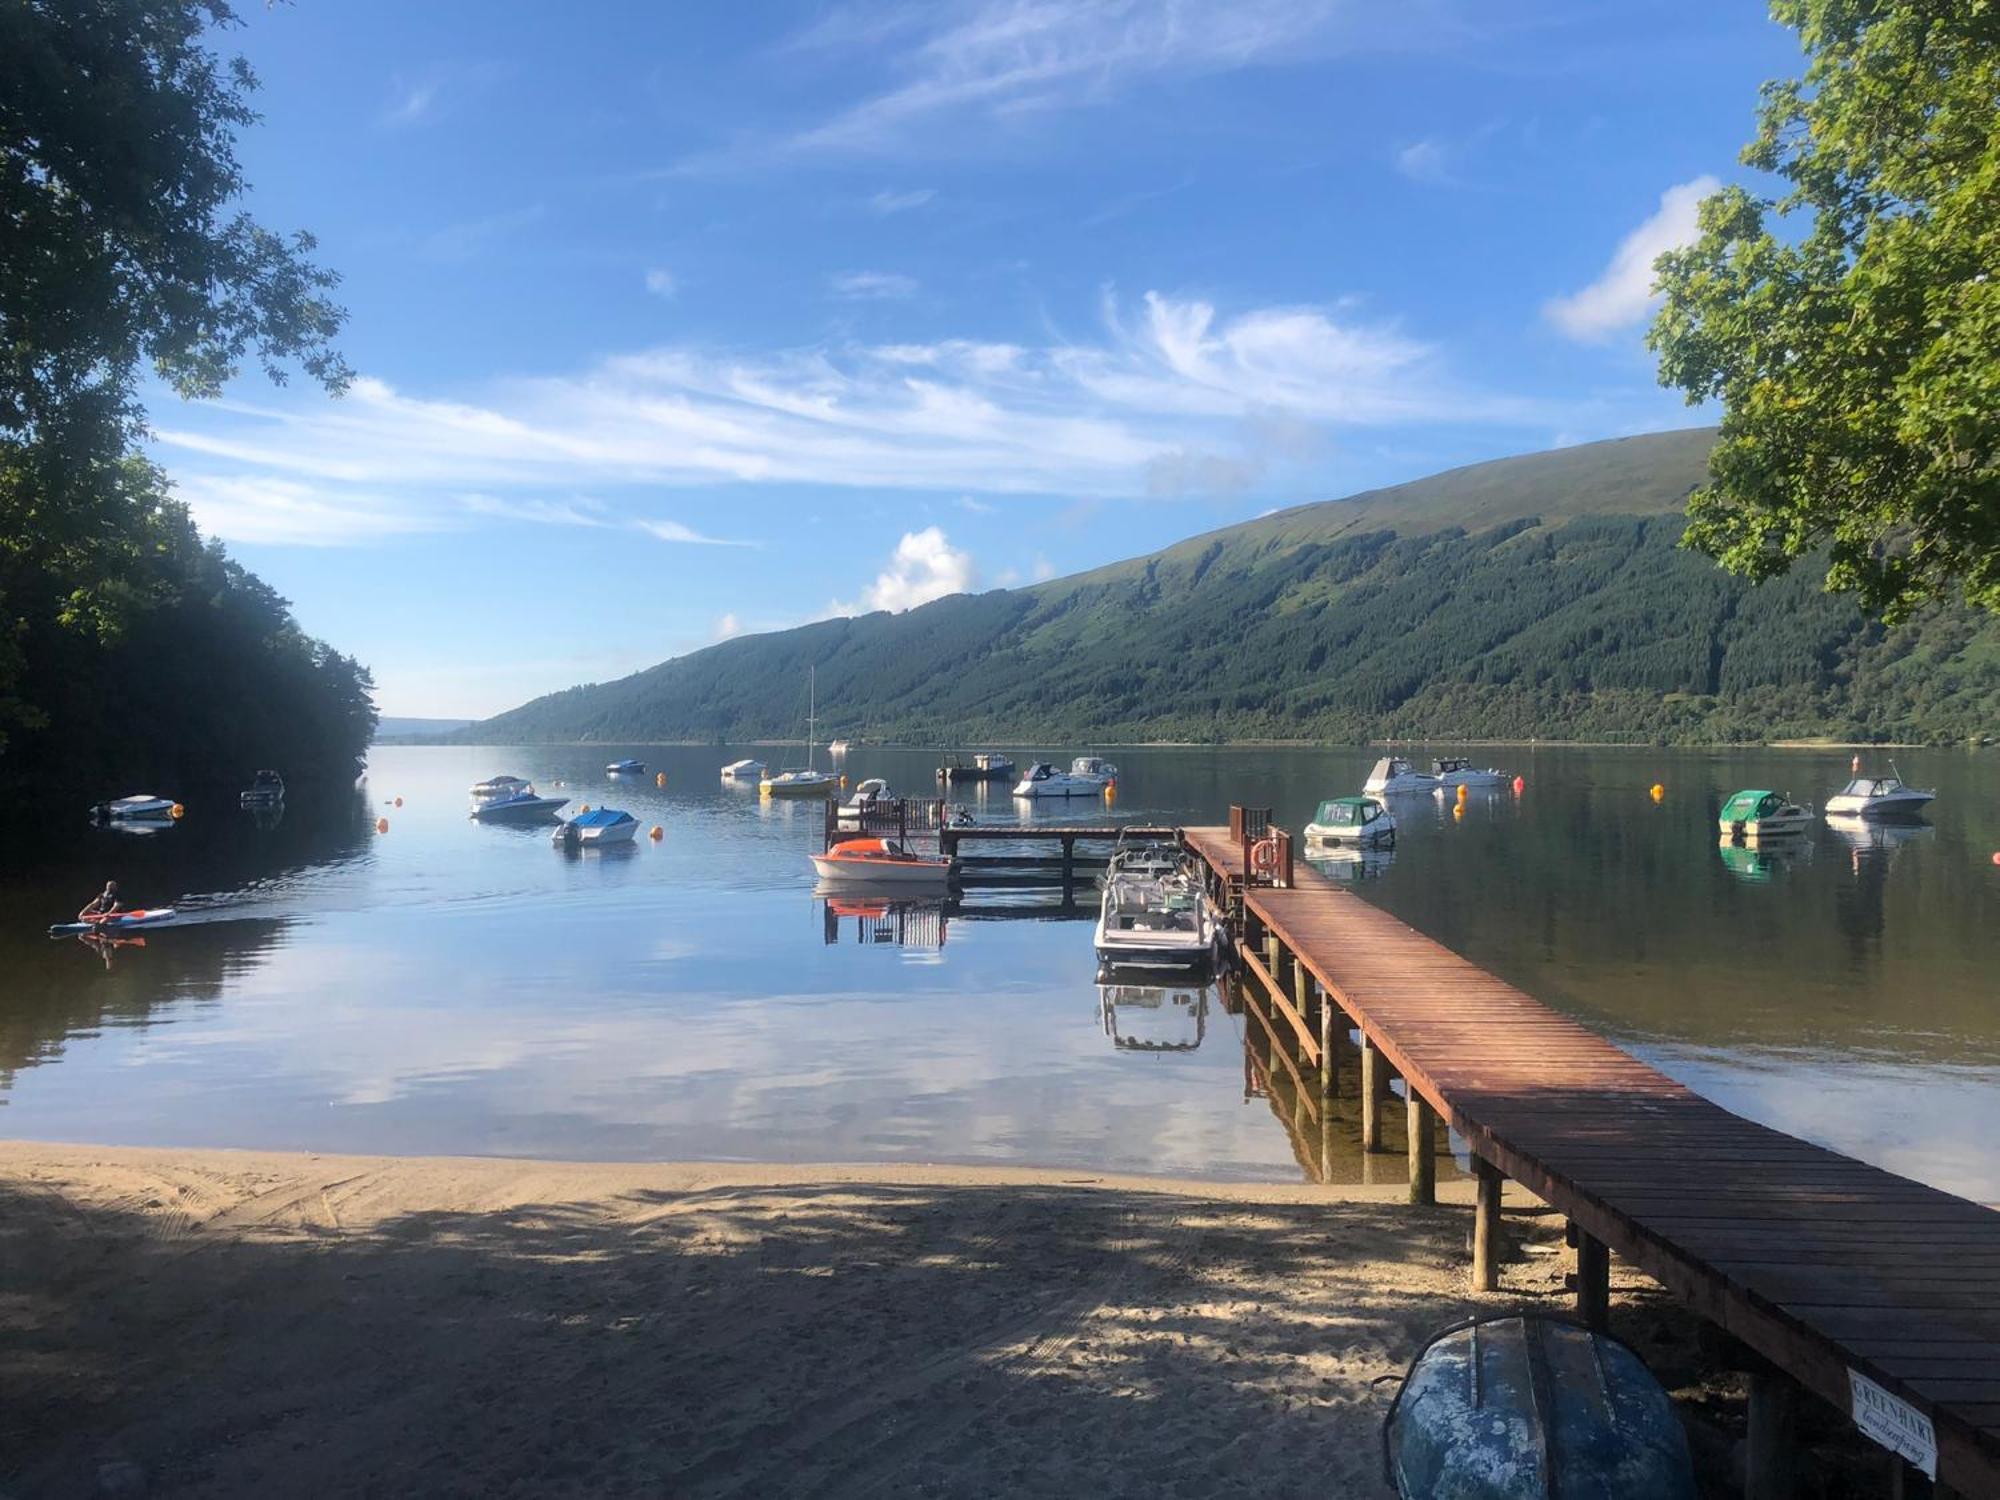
x: 1536, y: 596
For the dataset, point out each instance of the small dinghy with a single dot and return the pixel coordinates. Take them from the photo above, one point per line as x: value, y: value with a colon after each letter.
x: 117, y: 921
x: 881, y: 862
x: 1509, y: 1408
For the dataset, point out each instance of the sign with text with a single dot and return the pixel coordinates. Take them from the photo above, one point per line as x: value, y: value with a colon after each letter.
x: 1894, y: 1423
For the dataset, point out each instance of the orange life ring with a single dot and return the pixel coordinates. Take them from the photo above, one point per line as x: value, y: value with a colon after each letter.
x: 1264, y: 856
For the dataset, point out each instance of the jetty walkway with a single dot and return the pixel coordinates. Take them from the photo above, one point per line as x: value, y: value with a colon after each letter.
x: 1878, y: 1293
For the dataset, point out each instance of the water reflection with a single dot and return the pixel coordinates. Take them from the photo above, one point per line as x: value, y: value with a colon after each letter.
x: 1153, y: 1018
x: 878, y: 922
x: 1348, y: 864
x: 1872, y: 840
x: 1760, y: 860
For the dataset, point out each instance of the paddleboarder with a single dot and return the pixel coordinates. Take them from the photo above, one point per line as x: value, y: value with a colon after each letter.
x: 106, y: 903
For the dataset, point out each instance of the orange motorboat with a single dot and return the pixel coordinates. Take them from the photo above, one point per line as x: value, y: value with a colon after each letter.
x: 882, y: 862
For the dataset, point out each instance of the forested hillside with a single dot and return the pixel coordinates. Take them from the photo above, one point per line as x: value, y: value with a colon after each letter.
x: 1542, y: 596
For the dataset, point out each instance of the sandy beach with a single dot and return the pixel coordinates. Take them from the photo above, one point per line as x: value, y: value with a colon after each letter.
x: 239, y: 1323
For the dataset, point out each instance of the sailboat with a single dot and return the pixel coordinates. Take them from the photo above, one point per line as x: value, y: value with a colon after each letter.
x: 809, y: 782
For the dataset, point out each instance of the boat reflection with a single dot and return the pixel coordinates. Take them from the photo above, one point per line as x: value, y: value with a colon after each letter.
x: 882, y: 922
x: 1765, y: 858
x: 1873, y: 839
x: 1153, y: 1018
x: 1350, y: 865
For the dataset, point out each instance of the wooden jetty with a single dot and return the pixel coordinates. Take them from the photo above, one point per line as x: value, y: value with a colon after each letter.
x: 1877, y: 1293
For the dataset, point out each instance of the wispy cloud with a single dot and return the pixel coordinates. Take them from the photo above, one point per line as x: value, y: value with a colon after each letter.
x: 924, y: 566
x: 1623, y: 294
x: 727, y: 626
x: 889, y: 201
x: 674, y: 531
x: 1426, y: 162
x: 410, y: 101
x: 872, y: 286
x: 1172, y: 396
x: 423, y: 97
x: 661, y: 283
x: 468, y: 238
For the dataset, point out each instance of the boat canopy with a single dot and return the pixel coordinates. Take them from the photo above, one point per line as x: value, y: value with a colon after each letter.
x: 601, y: 817
x: 1872, y: 786
x: 1748, y: 806
x: 1347, y: 812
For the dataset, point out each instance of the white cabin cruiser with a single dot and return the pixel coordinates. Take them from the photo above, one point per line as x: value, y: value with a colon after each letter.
x: 1361, y: 821
x: 743, y: 770
x: 518, y: 803
x: 1087, y: 776
x: 1393, y: 775
x: 868, y: 793
x: 1456, y: 770
x: 1154, y: 922
x: 837, y: 747
x: 1877, y: 797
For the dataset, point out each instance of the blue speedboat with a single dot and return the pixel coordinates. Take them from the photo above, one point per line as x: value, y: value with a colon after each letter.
x: 626, y: 768
x: 597, y: 828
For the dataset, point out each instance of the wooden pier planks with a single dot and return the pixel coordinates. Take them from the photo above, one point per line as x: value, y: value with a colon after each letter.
x: 1821, y: 1263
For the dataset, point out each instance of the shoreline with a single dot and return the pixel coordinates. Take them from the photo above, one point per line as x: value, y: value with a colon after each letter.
x: 245, y: 1322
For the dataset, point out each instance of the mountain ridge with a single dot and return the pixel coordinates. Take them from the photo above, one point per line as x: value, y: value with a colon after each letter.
x: 1535, y: 596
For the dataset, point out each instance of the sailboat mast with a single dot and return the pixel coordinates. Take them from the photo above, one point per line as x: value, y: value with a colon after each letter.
x: 812, y: 710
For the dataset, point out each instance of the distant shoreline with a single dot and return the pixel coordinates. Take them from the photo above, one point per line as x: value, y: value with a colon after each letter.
x: 1864, y: 746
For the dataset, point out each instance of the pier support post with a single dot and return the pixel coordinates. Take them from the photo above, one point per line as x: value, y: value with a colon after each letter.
x: 1593, y: 1281
x: 1486, y: 1226
x: 1770, y: 1449
x: 1274, y: 958
x: 1374, y: 1080
x: 1423, y: 1148
x: 1329, y: 1059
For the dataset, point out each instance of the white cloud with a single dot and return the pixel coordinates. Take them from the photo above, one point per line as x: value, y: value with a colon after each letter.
x: 889, y: 201
x: 674, y: 531
x: 1171, y: 396
x: 1623, y: 294
x: 1043, y: 570
x: 728, y: 626
x: 1425, y: 162
x: 872, y: 286
x: 976, y: 507
x: 660, y: 282
x: 1006, y: 57
x: 925, y: 566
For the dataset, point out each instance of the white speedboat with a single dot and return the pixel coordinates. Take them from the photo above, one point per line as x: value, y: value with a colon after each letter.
x: 1361, y: 821
x: 1393, y: 775
x: 871, y: 861
x: 1456, y: 770
x: 1155, y: 858
x: 743, y: 770
x: 1759, y: 814
x: 520, y: 803
x: 494, y: 787
x: 1155, y: 922
x: 1087, y: 776
x: 868, y: 793
x: 837, y: 747
x: 142, y: 807
x: 1877, y: 797
x: 596, y: 829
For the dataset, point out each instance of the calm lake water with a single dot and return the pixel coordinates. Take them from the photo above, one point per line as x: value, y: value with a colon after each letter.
x: 452, y: 987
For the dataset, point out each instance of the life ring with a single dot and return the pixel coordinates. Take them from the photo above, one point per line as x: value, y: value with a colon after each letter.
x: 1264, y: 856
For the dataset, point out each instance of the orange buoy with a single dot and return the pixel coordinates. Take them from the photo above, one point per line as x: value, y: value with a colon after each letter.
x: 178, y: 811
x: 1520, y: 785
x: 661, y: 779
x: 1996, y: 856
x: 657, y: 834
x: 1461, y: 792
x: 381, y: 825
x: 1458, y: 809
x: 585, y: 808
x: 1658, y: 793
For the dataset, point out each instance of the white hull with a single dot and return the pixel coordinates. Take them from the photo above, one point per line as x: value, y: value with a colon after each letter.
x: 1396, y: 786
x: 814, y: 785
x: 744, y: 770
x: 1756, y: 828
x: 1369, y: 837
x: 935, y: 874
x: 597, y: 838
x: 1147, y: 923
x: 1064, y: 785
x: 138, y: 809
x: 520, y: 810
x: 1472, y: 779
x: 1897, y: 805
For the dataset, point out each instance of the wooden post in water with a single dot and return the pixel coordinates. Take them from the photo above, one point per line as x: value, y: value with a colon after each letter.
x: 1593, y: 1281
x: 1486, y: 1225
x: 1423, y: 1147
x: 1374, y: 1081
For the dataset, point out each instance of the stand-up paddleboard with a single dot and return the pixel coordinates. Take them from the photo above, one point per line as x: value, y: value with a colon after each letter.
x: 117, y: 921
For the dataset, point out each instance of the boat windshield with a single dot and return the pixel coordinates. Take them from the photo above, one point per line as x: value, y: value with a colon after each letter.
x: 1872, y: 786
x: 1338, y: 814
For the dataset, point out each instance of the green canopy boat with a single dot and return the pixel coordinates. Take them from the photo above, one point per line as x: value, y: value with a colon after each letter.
x: 1754, y: 813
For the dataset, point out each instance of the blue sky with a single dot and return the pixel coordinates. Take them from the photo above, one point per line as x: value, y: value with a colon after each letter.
x: 675, y: 322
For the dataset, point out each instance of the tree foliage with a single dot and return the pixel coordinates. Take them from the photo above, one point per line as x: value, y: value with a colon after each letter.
x: 123, y: 253
x: 1851, y: 328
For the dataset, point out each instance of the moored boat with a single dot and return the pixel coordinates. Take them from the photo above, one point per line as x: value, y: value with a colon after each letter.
x: 809, y: 782
x: 837, y: 747
x: 868, y: 793
x: 743, y: 770
x: 141, y: 807
x: 1155, y: 922
x: 1392, y: 775
x: 626, y: 768
x: 596, y: 829
x: 873, y: 861
x: 1087, y: 776
x: 1878, y: 797
x: 516, y: 803
x: 1757, y: 814
x: 1361, y: 821
x: 985, y: 766
x: 1531, y: 1407
x: 1456, y: 770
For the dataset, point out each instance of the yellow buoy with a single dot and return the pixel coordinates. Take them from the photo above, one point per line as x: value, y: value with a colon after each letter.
x: 381, y: 825
x: 657, y: 834
x: 1659, y: 793
x: 179, y: 811
x: 1461, y: 792
x: 661, y: 779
